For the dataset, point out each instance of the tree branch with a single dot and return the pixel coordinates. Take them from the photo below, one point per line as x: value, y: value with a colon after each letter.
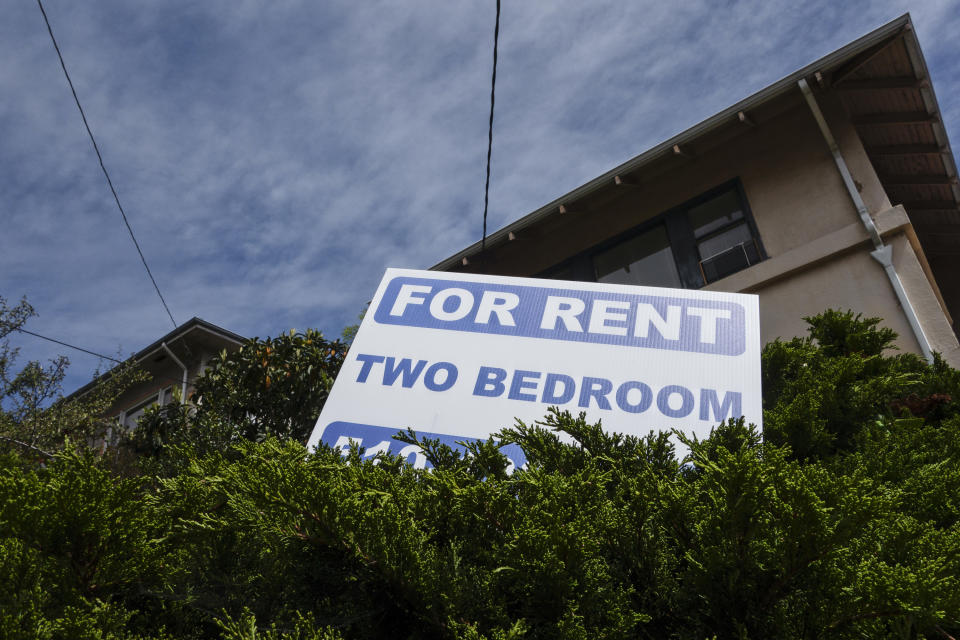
x: 865, y: 616
x: 943, y: 633
x: 27, y: 446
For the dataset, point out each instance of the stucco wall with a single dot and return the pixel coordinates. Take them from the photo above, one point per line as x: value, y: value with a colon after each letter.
x: 923, y: 298
x: 792, y: 182
x: 851, y: 281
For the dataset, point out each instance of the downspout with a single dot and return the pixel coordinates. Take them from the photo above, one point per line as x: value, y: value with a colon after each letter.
x: 882, y: 253
x: 183, y: 389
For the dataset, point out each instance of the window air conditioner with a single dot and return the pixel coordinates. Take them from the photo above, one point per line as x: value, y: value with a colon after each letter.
x: 729, y: 261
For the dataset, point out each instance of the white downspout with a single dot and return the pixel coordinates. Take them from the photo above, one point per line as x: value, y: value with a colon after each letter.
x: 882, y: 253
x: 183, y: 389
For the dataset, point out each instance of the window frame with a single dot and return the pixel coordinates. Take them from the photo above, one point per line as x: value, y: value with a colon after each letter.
x: 680, y: 233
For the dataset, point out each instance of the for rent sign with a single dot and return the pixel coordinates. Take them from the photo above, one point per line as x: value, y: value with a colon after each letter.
x: 459, y: 356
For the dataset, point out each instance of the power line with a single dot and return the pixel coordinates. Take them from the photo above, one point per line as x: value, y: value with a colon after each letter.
x: 493, y: 87
x: 106, y: 174
x: 66, y: 344
x: 92, y: 353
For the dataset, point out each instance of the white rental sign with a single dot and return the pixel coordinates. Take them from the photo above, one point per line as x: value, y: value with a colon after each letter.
x: 460, y: 356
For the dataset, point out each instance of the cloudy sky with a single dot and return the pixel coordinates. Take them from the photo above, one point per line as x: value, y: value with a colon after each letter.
x: 275, y: 157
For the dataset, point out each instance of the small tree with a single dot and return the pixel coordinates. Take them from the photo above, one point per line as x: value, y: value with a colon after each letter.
x: 32, y: 417
x: 271, y: 387
x: 274, y: 387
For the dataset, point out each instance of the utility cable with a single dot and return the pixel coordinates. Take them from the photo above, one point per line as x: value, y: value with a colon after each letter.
x: 486, y: 188
x: 106, y: 174
x: 92, y: 353
x: 66, y: 344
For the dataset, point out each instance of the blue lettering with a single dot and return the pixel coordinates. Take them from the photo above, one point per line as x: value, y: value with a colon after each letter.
x: 698, y: 325
x: 729, y: 407
x: 632, y: 396
x: 623, y: 399
x: 339, y: 434
x: 663, y: 401
x: 490, y: 382
x: 523, y: 380
x: 368, y: 362
x: 596, y: 388
x: 550, y: 395
x: 405, y: 368
x: 430, y: 378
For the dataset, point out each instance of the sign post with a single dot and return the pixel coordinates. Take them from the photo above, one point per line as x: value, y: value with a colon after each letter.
x: 460, y: 356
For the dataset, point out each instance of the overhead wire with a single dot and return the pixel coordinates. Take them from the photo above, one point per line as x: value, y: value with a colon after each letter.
x: 88, y: 351
x: 486, y: 188
x: 103, y: 167
x: 71, y: 346
x: 116, y: 197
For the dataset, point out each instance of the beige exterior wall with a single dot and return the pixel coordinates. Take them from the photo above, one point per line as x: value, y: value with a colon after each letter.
x: 818, y: 250
x: 853, y: 281
x: 837, y: 272
x: 792, y: 183
x: 924, y: 299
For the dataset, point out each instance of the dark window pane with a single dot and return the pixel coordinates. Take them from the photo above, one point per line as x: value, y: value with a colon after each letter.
x: 645, y: 259
x: 716, y: 213
x: 724, y: 240
x: 733, y: 259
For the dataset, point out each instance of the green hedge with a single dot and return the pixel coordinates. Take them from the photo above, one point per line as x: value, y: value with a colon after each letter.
x: 841, y: 523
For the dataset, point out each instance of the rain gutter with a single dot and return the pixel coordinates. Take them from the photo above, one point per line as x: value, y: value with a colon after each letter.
x: 882, y: 253
x: 183, y: 389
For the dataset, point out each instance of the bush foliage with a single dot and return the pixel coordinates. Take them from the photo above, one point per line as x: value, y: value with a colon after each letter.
x: 843, y: 522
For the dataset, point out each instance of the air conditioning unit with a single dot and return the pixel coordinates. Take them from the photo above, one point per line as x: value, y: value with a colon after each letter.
x: 729, y: 261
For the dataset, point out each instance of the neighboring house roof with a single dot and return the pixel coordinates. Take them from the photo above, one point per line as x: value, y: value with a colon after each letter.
x: 884, y: 85
x: 193, y: 328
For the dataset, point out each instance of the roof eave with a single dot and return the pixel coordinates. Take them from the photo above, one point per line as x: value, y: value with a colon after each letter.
x: 920, y: 69
x: 176, y: 334
x: 775, y: 90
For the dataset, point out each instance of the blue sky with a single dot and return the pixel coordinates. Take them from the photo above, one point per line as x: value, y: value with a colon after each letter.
x: 275, y: 157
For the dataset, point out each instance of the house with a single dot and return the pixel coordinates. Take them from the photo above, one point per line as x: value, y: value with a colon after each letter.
x: 174, y: 361
x: 834, y: 187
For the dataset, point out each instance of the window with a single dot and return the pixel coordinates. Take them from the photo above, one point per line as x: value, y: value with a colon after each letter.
x: 130, y: 417
x: 646, y: 258
x: 725, y: 241
x: 699, y: 242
